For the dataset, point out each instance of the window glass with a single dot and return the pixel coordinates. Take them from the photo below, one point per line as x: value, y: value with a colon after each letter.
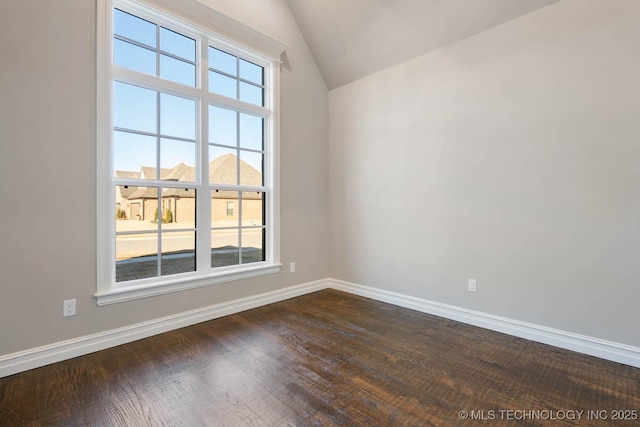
x: 251, y: 132
x: 252, y: 72
x: 178, y: 209
x: 224, y: 248
x: 134, y: 107
x: 250, y: 168
x: 135, y: 57
x: 136, y: 256
x: 177, y: 70
x: 178, y: 158
x: 132, y: 151
x: 177, y: 44
x: 223, y: 167
x: 222, y: 61
x: 252, y: 209
x: 223, y: 127
x: 134, y: 28
x: 178, y: 252
x: 177, y: 116
x: 221, y: 201
x: 136, y: 233
x: 252, y: 245
x: 251, y: 94
x: 222, y: 85
x: 135, y: 209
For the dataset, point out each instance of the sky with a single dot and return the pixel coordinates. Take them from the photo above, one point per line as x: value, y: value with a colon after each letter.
x: 154, y: 125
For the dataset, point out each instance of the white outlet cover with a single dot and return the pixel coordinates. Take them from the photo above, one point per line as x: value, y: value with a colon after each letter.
x: 473, y: 285
x: 69, y: 307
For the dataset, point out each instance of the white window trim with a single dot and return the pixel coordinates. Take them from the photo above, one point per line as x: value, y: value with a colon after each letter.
x: 221, y: 30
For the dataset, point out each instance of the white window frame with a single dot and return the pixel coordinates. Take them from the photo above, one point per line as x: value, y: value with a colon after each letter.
x: 209, y: 28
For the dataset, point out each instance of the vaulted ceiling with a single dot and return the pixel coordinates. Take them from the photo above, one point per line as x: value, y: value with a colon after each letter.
x: 351, y: 39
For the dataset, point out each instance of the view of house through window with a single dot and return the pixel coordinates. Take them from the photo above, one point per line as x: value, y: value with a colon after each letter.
x: 174, y: 183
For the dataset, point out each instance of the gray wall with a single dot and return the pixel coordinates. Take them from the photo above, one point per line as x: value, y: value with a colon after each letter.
x: 47, y: 177
x: 511, y: 157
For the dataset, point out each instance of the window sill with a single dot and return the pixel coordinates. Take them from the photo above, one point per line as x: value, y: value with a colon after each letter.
x: 129, y: 293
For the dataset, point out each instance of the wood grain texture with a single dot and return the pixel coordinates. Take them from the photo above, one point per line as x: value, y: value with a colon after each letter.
x: 323, y: 359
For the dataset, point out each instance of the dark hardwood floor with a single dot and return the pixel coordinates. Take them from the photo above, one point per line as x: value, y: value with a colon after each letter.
x: 327, y: 358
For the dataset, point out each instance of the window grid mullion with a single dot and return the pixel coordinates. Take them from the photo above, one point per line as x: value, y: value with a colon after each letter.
x: 153, y: 134
x: 176, y: 57
x: 159, y: 224
x: 240, y: 79
x: 236, y: 77
x: 158, y: 51
x: 158, y: 163
x: 203, y: 207
x: 134, y: 42
x: 240, y: 245
x: 118, y: 182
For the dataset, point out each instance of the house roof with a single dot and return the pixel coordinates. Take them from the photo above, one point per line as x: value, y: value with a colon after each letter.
x: 127, y: 174
x: 181, y: 172
x: 147, y: 172
x: 126, y: 190
x: 222, y: 170
x: 144, y: 193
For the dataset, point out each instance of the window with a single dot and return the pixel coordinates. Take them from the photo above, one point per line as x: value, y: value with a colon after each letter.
x: 187, y: 155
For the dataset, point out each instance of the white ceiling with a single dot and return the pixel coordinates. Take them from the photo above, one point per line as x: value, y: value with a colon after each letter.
x: 351, y: 39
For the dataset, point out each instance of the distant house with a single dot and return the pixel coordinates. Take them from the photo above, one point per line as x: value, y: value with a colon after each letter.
x: 178, y: 204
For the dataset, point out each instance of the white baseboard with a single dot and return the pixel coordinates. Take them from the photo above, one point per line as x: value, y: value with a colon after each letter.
x: 603, y: 349
x: 40, y: 356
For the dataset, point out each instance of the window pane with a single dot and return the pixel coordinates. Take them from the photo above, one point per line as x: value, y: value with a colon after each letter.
x: 251, y: 132
x: 252, y: 245
x: 251, y: 72
x: 134, y: 57
x: 177, y: 71
x: 220, y: 214
x: 223, y: 127
x: 178, y: 252
x: 178, y: 209
x: 250, y: 168
x: 252, y: 209
x: 135, y: 208
x: 177, y: 44
x: 222, y: 85
x: 136, y: 256
x: 223, y: 165
x: 224, y: 248
x: 177, y: 116
x: 250, y: 93
x: 180, y: 158
x: 222, y: 61
x: 132, y: 151
x: 134, y: 107
x: 134, y: 28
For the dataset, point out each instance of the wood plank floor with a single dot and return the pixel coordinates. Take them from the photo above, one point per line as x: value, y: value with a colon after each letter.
x: 327, y: 358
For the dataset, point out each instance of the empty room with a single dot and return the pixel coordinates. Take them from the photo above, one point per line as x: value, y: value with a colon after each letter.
x: 319, y: 213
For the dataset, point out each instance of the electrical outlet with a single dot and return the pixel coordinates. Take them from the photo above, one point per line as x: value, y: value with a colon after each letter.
x: 292, y: 267
x: 473, y: 285
x: 69, y: 307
